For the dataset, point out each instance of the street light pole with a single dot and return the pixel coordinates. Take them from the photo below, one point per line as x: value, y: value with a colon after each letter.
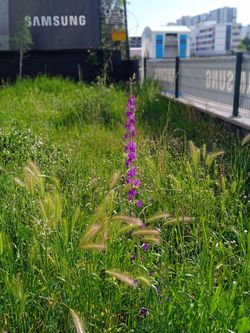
x: 126, y: 27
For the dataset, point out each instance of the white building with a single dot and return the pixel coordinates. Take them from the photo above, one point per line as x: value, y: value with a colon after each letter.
x: 166, y: 42
x: 245, y: 32
x: 212, y: 39
x: 209, y: 38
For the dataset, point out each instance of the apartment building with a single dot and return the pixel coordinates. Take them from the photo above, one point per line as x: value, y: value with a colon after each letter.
x: 214, y: 33
x: 220, y: 15
x: 211, y: 38
x: 223, y: 15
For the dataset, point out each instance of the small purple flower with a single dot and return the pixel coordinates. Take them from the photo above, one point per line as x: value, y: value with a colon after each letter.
x: 130, y: 233
x: 133, y: 257
x: 132, y: 172
x: 131, y: 194
x: 130, y: 147
x: 133, y: 131
x: 136, y: 183
x: 139, y: 204
x: 131, y: 159
x: 129, y: 113
x: 143, y: 312
x: 145, y: 247
x: 158, y: 289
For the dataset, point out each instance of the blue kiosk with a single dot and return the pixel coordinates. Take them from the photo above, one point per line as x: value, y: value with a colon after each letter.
x: 166, y: 42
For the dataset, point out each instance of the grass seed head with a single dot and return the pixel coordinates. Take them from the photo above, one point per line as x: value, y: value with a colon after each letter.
x: 129, y: 219
x: 123, y: 277
x: 160, y: 216
x: 79, y: 326
x: 99, y: 247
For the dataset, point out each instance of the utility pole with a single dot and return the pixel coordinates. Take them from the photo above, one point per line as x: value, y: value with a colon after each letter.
x: 126, y: 27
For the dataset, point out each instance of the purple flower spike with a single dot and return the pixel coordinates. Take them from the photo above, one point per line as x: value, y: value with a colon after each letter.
x: 130, y: 149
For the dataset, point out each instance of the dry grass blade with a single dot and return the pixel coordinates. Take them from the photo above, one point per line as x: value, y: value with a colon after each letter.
x: 160, y: 216
x: 91, y: 232
x: 123, y: 277
x: 77, y: 322
x: 128, y: 219
x: 182, y: 220
x: 245, y: 140
x: 93, y: 247
x: 146, y: 232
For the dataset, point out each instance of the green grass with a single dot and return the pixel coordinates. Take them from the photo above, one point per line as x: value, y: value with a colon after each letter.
x: 198, y: 274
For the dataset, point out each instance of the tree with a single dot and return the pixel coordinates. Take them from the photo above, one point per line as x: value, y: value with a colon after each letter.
x: 244, y: 44
x: 22, y: 42
x: 107, y: 6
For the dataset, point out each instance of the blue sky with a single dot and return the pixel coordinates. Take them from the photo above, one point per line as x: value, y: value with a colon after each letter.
x: 156, y: 12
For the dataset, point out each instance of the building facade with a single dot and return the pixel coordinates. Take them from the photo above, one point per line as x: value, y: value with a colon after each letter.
x: 135, y: 47
x: 223, y: 15
x: 237, y: 34
x: 215, y: 33
x: 220, y: 15
x: 211, y: 38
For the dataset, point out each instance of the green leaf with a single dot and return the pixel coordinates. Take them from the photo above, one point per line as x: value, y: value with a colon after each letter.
x: 243, y: 325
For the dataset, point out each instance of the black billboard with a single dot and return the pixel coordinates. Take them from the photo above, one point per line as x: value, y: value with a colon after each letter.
x: 58, y: 24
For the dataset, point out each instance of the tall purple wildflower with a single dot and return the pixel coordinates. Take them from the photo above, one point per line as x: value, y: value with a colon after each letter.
x: 130, y: 150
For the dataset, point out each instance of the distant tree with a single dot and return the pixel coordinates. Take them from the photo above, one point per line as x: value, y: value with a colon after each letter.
x: 22, y: 42
x: 244, y: 44
x: 106, y: 7
x: 107, y: 26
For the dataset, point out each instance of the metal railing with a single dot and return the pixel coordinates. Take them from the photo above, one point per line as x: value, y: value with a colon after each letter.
x: 221, y: 83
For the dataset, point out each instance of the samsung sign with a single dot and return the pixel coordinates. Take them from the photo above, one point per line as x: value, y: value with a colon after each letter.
x: 58, y: 24
x: 56, y: 21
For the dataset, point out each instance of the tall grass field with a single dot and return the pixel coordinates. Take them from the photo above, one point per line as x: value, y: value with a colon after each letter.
x: 76, y: 256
